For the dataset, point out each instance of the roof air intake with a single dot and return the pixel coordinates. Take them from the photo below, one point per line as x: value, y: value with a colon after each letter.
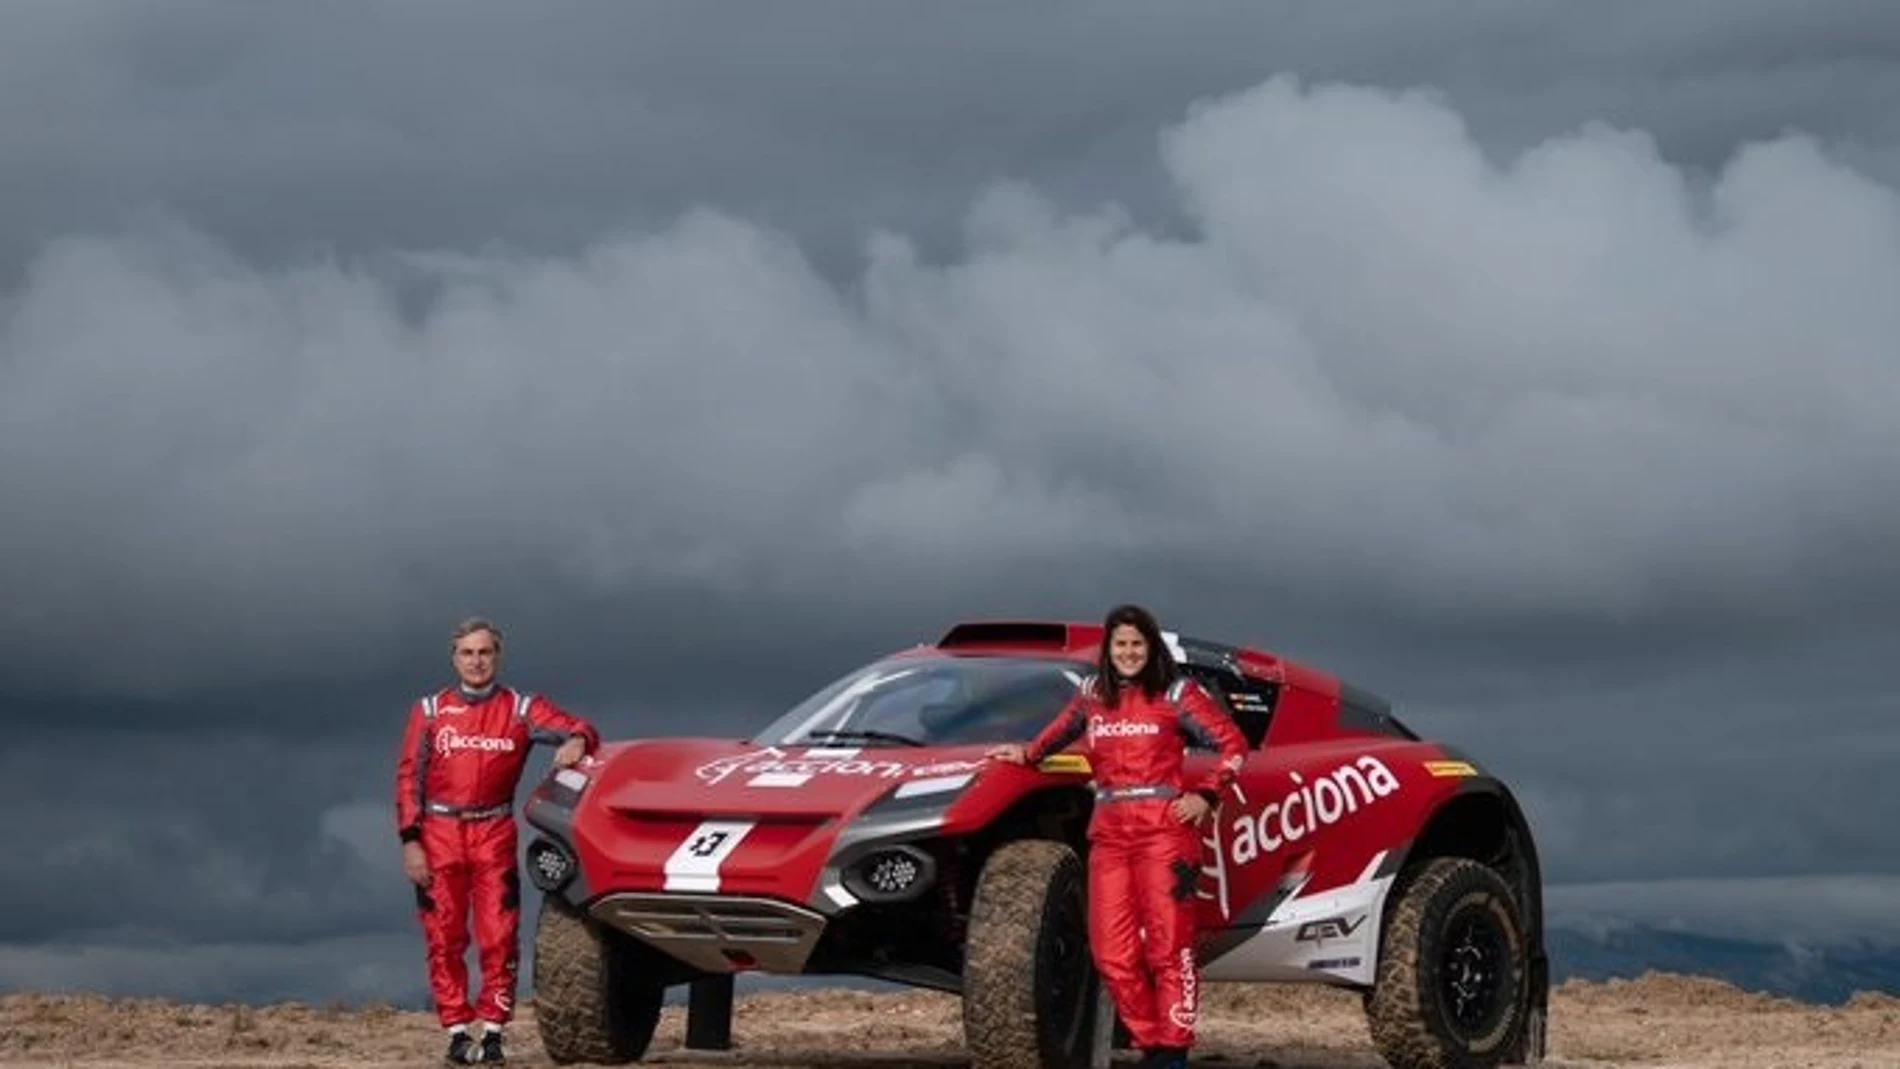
x: 1006, y: 633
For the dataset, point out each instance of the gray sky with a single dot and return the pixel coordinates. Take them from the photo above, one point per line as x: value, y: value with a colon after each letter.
x: 1529, y: 363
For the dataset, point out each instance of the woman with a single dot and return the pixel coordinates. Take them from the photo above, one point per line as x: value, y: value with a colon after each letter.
x: 1138, y: 713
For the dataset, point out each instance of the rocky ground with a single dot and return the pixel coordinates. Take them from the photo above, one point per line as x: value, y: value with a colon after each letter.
x: 1662, y: 1022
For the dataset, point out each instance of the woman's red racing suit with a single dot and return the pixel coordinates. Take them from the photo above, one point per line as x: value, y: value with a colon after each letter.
x: 1144, y: 863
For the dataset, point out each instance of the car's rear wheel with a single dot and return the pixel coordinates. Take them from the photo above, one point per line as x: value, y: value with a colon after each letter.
x: 590, y: 1003
x: 1029, y: 985
x: 1452, y: 970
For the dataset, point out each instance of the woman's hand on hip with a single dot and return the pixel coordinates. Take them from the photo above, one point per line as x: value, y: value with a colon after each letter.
x: 1190, y: 808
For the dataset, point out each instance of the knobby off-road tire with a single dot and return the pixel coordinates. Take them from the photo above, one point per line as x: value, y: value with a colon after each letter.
x: 589, y: 1006
x: 1450, y: 987
x: 1029, y: 985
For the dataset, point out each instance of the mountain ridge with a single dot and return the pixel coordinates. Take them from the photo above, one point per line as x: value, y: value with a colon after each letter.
x: 1826, y: 973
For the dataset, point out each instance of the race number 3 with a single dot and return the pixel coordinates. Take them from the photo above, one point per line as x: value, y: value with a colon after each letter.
x: 706, y: 844
x: 695, y: 863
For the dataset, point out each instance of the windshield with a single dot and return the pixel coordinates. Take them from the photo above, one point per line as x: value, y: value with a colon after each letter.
x: 940, y: 701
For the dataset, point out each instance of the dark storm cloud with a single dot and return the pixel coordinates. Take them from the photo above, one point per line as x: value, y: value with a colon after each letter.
x: 1755, y: 765
x: 1574, y: 391
x: 145, y: 836
x: 484, y: 125
x: 714, y: 356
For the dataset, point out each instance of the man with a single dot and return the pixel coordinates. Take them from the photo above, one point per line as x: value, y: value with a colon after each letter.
x: 461, y: 761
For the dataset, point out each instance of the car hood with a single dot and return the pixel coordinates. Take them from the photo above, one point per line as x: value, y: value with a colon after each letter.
x: 736, y: 818
x: 712, y: 777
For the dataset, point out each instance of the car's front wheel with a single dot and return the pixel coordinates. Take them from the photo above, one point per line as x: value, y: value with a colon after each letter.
x: 590, y: 1004
x: 1452, y: 970
x: 1029, y: 985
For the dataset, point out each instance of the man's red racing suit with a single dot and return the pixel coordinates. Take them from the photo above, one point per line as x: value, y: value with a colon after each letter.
x: 461, y: 760
x: 1144, y: 863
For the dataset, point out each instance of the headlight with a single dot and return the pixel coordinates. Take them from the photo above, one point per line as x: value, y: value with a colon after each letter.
x: 890, y: 874
x: 566, y: 785
x: 549, y: 865
x: 560, y: 790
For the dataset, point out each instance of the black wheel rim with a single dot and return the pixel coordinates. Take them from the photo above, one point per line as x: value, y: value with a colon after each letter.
x: 1471, y: 971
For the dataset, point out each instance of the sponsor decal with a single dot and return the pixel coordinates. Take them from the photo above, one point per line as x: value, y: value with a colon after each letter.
x: 1333, y: 963
x: 946, y: 768
x: 1100, y: 728
x: 1330, y: 928
x: 775, y: 767
x: 448, y: 741
x: 1065, y: 762
x: 1450, y: 768
x: 1183, y: 1013
x: 1248, y: 701
x: 1308, y: 807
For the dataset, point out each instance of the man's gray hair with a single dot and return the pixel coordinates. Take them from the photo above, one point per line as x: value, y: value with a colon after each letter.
x: 470, y: 626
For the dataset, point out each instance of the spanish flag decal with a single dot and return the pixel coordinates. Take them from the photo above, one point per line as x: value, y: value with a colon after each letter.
x: 1450, y: 768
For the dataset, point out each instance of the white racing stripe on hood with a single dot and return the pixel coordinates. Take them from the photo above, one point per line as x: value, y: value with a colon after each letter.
x: 934, y: 785
x: 779, y: 779
x: 694, y: 864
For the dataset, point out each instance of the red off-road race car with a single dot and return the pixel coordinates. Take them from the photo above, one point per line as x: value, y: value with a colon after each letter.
x: 863, y: 834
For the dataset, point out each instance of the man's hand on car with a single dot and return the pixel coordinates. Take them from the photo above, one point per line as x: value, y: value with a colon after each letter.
x: 1010, y: 752
x: 571, y: 751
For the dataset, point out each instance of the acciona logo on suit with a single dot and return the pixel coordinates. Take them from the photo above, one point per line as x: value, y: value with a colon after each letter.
x: 1121, y: 729
x: 449, y: 740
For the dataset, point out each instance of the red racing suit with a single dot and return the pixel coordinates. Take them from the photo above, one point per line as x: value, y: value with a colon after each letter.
x: 461, y: 759
x: 1144, y: 863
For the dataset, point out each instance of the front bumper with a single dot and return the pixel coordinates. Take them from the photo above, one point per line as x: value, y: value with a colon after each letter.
x: 764, y: 915
x: 716, y: 933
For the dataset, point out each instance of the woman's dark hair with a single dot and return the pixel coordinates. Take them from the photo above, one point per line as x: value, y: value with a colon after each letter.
x: 1156, y: 674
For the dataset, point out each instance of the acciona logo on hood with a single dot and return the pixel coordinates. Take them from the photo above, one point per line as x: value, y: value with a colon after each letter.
x: 1308, y: 807
x: 448, y: 741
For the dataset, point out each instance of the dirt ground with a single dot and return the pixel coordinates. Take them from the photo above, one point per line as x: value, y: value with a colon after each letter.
x: 1661, y: 1022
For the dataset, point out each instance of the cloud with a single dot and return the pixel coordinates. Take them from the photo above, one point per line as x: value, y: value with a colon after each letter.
x: 159, y: 838
x: 1570, y: 388
x: 473, y: 125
